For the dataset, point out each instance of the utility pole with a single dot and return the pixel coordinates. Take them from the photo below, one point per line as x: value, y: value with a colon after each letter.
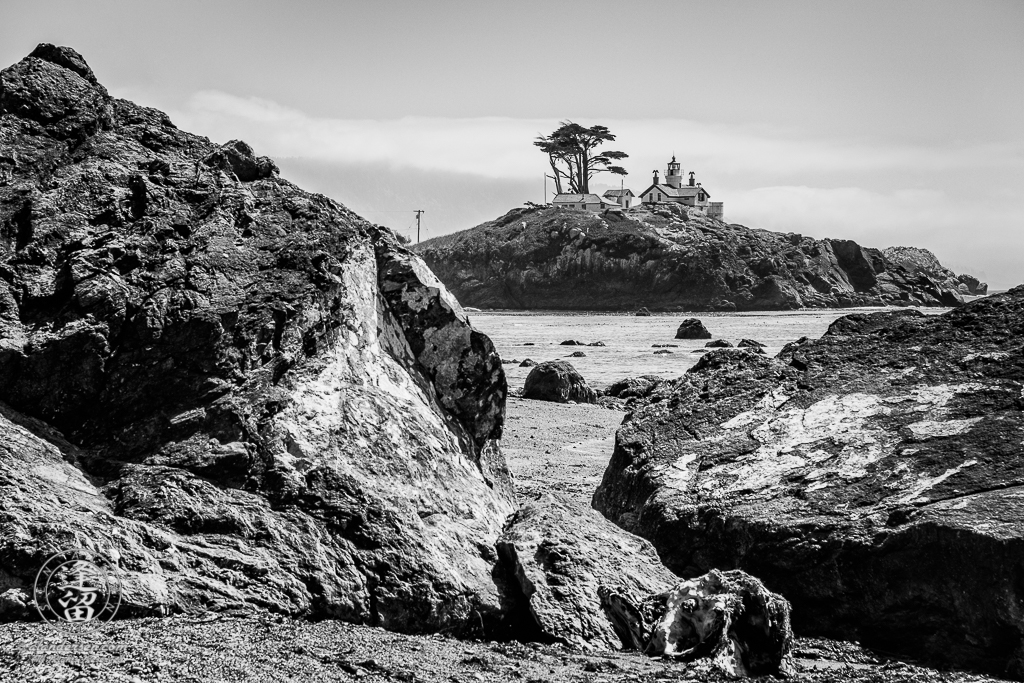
x: 419, y: 212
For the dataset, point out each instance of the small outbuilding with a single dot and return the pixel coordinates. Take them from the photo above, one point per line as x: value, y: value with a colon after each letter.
x: 624, y: 198
x: 586, y: 202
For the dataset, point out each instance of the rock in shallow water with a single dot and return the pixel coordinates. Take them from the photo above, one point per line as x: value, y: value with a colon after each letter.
x: 248, y: 393
x: 692, y: 328
x: 876, y: 484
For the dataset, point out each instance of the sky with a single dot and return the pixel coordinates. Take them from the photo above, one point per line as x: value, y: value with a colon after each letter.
x: 891, y: 123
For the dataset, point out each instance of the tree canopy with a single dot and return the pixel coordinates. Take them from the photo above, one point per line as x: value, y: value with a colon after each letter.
x: 571, y: 151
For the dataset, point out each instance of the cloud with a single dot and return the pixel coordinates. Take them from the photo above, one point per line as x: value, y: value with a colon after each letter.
x: 501, y: 147
x: 961, y: 201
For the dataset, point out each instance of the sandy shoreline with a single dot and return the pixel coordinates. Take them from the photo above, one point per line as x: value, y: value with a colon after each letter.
x: 558, y: 447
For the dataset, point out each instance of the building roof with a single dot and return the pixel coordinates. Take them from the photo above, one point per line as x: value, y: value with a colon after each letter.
x: 576, y: 199
x: 684, y: 191
x: 619, y: 193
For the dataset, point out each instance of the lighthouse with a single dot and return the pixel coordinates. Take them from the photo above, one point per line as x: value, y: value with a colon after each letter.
x: 673, y: 176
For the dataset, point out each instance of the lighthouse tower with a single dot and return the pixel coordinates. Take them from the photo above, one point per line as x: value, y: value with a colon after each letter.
x: 674, y: 176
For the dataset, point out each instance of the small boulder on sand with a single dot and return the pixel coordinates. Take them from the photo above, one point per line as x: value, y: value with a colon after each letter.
x: 634, y: 386
x: 728, y: 621
x: 558, y: 381
x: 692, y: 328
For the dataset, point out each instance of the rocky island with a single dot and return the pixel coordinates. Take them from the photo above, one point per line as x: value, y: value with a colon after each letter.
x: 674, y: 258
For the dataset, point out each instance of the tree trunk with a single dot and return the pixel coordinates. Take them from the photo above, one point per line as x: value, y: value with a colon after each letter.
x: 557, y: 177
x: 584, y: 172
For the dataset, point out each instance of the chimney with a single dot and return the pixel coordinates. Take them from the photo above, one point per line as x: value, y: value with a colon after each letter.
x: 691, y: 179
x: 655, y: 177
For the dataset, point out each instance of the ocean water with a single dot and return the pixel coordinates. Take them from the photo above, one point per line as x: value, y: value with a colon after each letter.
x: 628, y: 339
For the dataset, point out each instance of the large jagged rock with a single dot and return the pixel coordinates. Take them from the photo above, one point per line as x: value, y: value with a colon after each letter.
x: 874, y: 477
x: 923, y: 262
x: 669, y: 259
x: 245, y: 392
x: 558, y: 381
x: 562, y: 555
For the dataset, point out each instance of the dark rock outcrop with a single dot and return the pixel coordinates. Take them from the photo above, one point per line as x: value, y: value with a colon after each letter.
x: 558, y: 381
x: 922, y: 263
x: 718, y: 344
x: 633, y: 387
x: 728, y: 620
x: 974, y: 286
x: 562, y: 555
x: 528, y: 363
x: 692, y: 328
x: 755, y: 346
x: 577, y: 354
x: 242, y: 391
x: 671, y: 259
x: 874, y: 477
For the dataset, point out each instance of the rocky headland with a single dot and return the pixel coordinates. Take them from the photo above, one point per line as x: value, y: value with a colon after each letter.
x: 672, y: 258
x: 874, y: 477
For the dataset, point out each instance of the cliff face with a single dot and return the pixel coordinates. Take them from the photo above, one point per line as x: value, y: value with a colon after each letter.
x: 922, y: 261
x: 669, y: 260
x: 242, y: 391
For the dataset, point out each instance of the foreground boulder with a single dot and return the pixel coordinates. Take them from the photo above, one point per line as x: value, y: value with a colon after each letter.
x: 872, y: 477
x: 561, y: 555
x: 244, y: 392
x: 667, y: 258
x: 692, y: 328
x: 558, y: 381
x: 727, y: 619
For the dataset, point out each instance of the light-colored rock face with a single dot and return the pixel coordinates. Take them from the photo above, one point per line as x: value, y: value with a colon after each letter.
x: 829, y: 443
x: 564, y: 557
x: 265, y: 399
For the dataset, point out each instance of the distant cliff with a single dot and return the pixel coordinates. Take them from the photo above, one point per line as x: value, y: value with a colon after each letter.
x: 669, y: 259
x: 918, y: 260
